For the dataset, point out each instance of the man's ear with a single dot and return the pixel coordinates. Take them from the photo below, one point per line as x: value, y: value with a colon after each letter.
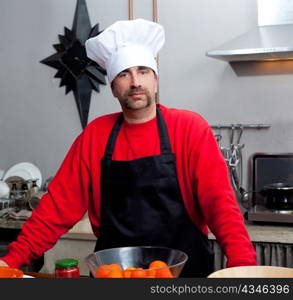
x: 113, y: 93
x: 157, y: 83
x: 113, y: 89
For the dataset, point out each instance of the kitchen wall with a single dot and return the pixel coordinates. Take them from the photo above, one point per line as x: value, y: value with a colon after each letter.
x: 38, y: 122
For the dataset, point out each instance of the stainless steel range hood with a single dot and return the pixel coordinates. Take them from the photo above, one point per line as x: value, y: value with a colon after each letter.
x: 271, y: 40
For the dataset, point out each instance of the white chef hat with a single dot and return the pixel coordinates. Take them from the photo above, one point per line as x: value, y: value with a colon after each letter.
x: 126, y: 44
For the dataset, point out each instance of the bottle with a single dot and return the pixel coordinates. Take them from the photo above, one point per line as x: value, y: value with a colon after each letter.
x: 15, y: 195
x: 34, y: 188
x: 25, y: 195
x: 67, y: 268
x: 13, y: 191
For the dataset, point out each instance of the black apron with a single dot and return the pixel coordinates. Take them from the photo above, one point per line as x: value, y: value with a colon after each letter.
x: 142, y: 205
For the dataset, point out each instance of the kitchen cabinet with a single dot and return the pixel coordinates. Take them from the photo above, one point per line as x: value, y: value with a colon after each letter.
x: 71, y: 245
x: 77, y: 243
x: 273, y: 245
x: 8, y: 234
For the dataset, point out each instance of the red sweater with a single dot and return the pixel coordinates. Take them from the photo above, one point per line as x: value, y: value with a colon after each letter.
x: 76, y: 187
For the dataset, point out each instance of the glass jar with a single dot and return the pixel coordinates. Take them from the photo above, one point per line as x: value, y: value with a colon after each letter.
x: 67, y: 268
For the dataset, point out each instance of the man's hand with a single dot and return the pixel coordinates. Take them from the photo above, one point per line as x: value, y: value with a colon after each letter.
x: 3, y: 263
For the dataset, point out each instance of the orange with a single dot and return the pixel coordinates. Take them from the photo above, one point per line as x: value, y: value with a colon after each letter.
x: 138, y: 273
x: 157, y: 264
x: 161, y: 269
x: 130, y: 268
x: 164, y: 273
x: 115, y: 274
x: 7, y: 272
x: 151, y: 273
x: 115, y: 267
x: 109, y: 271
x: 126, y: 273
x: 103, y: 271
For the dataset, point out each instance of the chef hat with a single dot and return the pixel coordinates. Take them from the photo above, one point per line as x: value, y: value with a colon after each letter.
x: 126, y: 44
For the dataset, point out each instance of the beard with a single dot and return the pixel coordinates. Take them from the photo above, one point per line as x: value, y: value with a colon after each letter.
x: 128, y: 102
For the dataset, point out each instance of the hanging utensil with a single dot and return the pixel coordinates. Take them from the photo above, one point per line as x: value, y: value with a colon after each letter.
x: 240, y: 128
x: 130, y: 9
x: 225, y: 151
x: 232, y: 136
x: 235, y: 162
x: 155, y: 11
x: 238, y: 155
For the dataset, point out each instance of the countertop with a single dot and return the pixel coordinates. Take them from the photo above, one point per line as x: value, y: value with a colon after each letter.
x: 268, y: 233
x: 258, y: 233
x: 81, y: 230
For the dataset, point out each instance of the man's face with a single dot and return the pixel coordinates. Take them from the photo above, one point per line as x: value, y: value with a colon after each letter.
x: 135, y: 87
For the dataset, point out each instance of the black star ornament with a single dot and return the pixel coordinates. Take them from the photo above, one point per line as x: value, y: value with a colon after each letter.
x: 77, y: 72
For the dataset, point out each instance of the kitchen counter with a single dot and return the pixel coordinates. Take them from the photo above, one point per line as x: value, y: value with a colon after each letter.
x: 273, y: 245
x: 81, y: 230
x: 80, y: 241
x: 258, y: 233
x: 268, y: 233
x: 11, y: 224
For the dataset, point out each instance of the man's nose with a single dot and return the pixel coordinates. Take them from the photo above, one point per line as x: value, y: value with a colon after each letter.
x: 135, y: 80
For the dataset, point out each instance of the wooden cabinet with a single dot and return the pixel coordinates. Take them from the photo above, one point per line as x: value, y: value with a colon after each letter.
x: 71, y: 245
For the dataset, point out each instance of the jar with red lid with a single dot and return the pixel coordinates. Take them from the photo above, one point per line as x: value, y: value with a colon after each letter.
x: 67, y: 268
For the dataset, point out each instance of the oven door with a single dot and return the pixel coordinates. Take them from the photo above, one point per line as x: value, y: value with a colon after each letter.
x: 266, y: 169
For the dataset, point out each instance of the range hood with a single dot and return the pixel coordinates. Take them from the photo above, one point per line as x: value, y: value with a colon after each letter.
x: 271, y: 40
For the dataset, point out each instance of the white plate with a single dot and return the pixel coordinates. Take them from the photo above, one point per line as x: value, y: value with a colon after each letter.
x: 26, y: 171
x: 1, y: 174
x: 20, y: 173
x: 28, y: 276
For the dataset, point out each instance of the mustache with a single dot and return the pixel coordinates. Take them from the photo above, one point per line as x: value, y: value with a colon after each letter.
x: 136, y: 90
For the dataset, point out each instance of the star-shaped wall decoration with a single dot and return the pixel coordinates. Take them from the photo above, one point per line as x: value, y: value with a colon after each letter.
x: 77, y: 72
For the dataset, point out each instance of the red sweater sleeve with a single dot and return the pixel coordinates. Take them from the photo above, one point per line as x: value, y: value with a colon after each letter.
x: 218, y: 203
x: 64, y: 205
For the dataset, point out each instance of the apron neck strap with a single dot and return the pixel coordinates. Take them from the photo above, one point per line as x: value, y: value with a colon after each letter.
x: 113, y: 136
x: 163, y: 134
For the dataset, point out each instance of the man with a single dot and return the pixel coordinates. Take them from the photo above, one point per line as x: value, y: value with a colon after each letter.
x: 150, y: 175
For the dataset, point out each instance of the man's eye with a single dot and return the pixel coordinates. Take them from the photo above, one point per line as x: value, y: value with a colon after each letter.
x: 122, y: 74
x: 143, y: 72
